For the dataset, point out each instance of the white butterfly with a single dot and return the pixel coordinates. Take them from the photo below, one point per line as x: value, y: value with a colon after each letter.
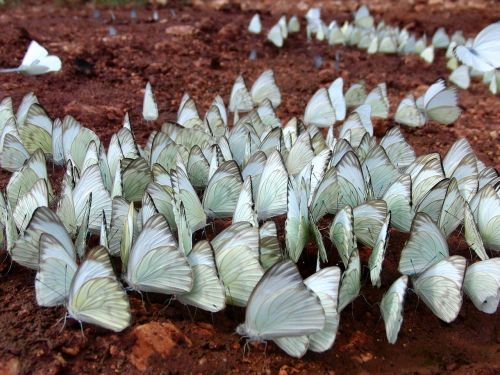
x: 223, y: 190
x: 37, y: 196
x: 427, y: 54
x: 90, y: 291
x: 275, y: 35
x: 149, y: 106
x: 485, y: 207
x: 155, y: 263
x: 397, y: 148
x: 36, y: 61
x: 378, y: 101
x: 26, y: 248
x: 91, y: 184
x: 297, y: 220
x: 391, y: 308
x: 293, y: 25
x: 207, y: 292
x: 426, y: 246
x: 362, y: 17
x: 351, y: 281
x: 325, y: 284
x: 440, y: 287
x: 336, y: 94
x: 319, y: 110
x: 355, y: 95
x: 255, y: 25
x: 342, y: 234
x: 482, y: 284
x: 265, y: 87
x: 461, y: 77
x: 281, y: 308
x: 270, y: 249
x: 244, y: 210
x: 440, y: 103
x: 236, y: 252
x: 409, y: 114
x: 187, y: 113
x: 440, y: 39
x: 240, y: 99
x: 484, y: 53
x: 377, y: 256
x: 273, y: 186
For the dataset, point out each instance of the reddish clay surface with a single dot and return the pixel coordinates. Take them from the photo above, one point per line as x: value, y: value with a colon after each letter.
x: 203, y: 57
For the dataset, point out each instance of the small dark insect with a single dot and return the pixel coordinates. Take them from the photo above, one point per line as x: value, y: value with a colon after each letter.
x: 215, y: 62
x: 84, y: 67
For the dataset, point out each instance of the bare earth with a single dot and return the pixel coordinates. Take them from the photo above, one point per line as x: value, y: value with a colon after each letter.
x: 201, y: 50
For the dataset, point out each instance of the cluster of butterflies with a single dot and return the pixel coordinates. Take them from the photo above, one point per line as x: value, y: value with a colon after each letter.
x: 146, y: 203
x: 278, y: 33
x: 480, y: 56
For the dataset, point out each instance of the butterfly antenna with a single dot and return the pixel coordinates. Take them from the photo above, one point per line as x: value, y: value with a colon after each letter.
x: 246, y: 347
x: 413, y: 266
x: 10, y: 265
x: 352, y: 309
x: 367, y: 302
x: 4, y: 246
x: 191, y: 317
x: 377, y: 322
x: 24, y: 220
x: 81, y: 329
x: 63, y: 318
x: 418, y: 302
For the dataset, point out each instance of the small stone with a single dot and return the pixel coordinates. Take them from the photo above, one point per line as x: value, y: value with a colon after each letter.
x: 206, y: 25
x: 236, y: 345
x: 181, y: 30
x: 71, y: 351
x: 366, y: 357
x: 326, y: 75
x: 229, y: 31
x: 452, y: 367
x: 286, y: 370
x: 114, y: 351
x: 155, y: 338
x: 10, y: 367
x: 202, y: 361
x: 203, y: 329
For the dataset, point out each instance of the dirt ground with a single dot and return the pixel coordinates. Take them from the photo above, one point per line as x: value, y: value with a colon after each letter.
x: 201, y: 50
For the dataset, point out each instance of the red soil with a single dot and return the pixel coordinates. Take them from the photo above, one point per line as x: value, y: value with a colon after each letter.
x: 204, y: 61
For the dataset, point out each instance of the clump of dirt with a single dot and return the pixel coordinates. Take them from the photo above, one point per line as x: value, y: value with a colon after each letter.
x: 201, y: 51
